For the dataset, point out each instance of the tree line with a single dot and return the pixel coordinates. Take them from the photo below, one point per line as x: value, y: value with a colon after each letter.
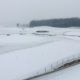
x: 62, y: 22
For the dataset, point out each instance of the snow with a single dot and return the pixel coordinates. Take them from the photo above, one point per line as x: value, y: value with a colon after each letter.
x: 22, y: 56
x: 72, y: 33
x: 16, y: 42
x: 72, y: 73
x: 21, y: 62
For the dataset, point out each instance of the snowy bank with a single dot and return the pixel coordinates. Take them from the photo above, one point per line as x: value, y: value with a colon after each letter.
x: 21, y: 64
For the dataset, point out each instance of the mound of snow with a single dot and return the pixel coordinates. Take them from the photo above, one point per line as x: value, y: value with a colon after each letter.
x: 71, y: 73
x: 21, y: 64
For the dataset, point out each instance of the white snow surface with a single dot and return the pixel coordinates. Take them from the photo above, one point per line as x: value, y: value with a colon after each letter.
x: 21, y: 56
x: 71, y: 73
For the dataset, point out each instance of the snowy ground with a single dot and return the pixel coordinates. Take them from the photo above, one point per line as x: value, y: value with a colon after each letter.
x: 23, y: 53
x: 71, y: 73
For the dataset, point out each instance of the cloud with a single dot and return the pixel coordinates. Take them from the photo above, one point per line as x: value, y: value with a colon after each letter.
x: 14, y: 11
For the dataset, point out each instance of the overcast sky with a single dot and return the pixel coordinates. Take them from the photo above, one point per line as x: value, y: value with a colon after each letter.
x: 22, y: 11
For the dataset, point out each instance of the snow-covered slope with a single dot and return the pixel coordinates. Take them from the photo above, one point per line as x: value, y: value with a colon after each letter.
x: 71, y: 73
x: 20, y: 64
x: 16, y: 42
x: 29, y: 54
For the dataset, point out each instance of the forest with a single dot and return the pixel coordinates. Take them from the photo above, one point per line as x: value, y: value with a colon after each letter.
x: 62, y: 22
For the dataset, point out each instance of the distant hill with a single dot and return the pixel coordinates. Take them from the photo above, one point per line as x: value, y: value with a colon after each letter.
x: 62, y: 22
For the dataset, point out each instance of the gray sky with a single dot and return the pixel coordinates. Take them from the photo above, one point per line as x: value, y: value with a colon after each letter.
x: 22, y: 11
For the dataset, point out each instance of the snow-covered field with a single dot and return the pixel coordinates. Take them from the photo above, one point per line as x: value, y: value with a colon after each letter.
x: 25, y: 53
